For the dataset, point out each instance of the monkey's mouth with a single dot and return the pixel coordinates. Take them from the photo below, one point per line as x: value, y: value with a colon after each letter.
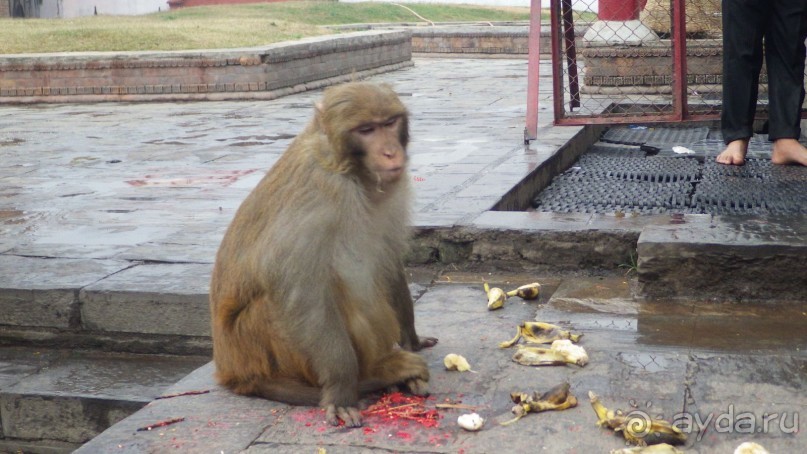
x: 391, y: 174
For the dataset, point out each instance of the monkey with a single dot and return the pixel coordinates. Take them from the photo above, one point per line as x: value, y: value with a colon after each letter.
x: 308, y: 295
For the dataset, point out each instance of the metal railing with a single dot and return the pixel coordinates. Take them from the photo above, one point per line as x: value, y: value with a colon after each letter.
x: 631, y: 61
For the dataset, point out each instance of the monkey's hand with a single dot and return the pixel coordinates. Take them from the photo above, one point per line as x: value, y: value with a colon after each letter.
x: 350, y: 415
x: 417, y: 386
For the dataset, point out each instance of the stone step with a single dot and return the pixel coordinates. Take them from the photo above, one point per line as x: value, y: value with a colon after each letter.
x: 118, y: 305
x: 53, y: 400
x: 724, y: 259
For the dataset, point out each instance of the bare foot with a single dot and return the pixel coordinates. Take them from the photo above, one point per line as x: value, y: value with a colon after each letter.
x: 734, y: 153
x: 789, y: 151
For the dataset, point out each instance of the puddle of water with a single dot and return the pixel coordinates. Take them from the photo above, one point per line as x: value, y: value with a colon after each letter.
x: 607, y: 305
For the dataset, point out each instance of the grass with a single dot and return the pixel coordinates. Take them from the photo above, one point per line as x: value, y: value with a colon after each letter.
x: 632, y: 266
x: 210, y: 27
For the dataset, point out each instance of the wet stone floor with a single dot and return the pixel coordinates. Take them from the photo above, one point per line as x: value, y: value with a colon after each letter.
x: 723, y: 374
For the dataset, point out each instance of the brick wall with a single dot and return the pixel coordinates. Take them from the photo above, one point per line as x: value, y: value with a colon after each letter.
x: 182, y: 3
x: 471, y: 40
x: 255, y: 73
x: 5, y: 8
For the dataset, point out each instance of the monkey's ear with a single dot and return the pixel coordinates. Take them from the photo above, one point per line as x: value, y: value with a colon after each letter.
x: 318, y: 108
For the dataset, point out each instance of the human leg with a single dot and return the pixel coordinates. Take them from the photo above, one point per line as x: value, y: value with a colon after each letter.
x: 785, y: 54
x: 743, y: 28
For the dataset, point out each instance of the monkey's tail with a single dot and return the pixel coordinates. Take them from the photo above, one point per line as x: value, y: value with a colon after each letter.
x: 284, y: 390
x: 295, y: 392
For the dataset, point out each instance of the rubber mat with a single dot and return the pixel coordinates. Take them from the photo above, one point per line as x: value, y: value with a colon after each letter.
x: 653, y: 169
x: 758, y: 187
x: 568, y: 195
x: 616, y: 150
x: 654, y: 137
x: 620, y: 178
x: 758, y: 147
x: 602, y: 184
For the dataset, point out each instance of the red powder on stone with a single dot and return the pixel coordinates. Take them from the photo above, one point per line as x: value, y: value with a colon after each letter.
x: 398, y: 407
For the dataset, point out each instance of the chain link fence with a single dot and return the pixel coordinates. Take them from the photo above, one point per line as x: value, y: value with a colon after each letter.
x: 622, y: 61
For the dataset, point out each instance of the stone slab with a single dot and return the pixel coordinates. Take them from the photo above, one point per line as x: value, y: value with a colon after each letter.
x: 73, y: 396
x: 214, y: 421
x: 562, y: 241
x: 150, y: 298
x: 42, y: 292
x: 732, y: 258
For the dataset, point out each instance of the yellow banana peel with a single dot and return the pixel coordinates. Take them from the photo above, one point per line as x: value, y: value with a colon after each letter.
x: 561, y: 352
x: 663, y: 448
x: 556, y: 399
x: 496, y: 297
x: 637, y: 427
x: 540, y: 333
x: 527, y: 292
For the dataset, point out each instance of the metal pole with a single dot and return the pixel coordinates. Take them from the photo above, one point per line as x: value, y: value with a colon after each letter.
x: 534, y: 59
x: 679, y: 42
x: 571, y: 53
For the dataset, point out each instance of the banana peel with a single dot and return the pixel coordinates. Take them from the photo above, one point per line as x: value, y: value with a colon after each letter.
x: 638, y: 429
x: 540, y: 333
x: 527, y: 292
x: 561, y: 352
x: 496, y: 297
x: 556, y: 399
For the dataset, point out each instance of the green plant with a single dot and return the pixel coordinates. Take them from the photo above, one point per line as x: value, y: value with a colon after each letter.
x: 632, y: 265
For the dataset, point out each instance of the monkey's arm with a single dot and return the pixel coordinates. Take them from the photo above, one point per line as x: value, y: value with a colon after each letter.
x: 401, y: 300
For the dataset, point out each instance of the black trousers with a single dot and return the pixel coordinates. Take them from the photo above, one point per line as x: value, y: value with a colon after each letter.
x: 782, y: 25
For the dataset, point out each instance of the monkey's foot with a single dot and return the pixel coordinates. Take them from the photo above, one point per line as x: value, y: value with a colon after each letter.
x: 789, y: 151
x: 425, y: 342
x: 734, y: 153
x: 350, y: 415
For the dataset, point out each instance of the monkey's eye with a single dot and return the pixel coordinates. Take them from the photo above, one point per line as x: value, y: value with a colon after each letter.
x: 391, y: 122
x: 365, y: 130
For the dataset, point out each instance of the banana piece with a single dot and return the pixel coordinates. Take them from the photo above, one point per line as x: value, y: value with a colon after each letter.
x: 573, y: 354
x: 452, y: 361
x: 471, y: 422
x: 540, y: 333
x: 638, y: 430
x: 527, y: 292
x: 557, y: 398
x: 749, y: 447
x: 496, y: 297
x: 557, y: 355
x: 663, y: 448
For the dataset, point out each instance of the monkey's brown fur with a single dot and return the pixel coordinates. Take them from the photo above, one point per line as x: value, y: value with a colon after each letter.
x: 308, y: 294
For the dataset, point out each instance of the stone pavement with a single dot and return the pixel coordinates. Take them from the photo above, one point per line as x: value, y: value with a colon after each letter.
x: 112, y: 213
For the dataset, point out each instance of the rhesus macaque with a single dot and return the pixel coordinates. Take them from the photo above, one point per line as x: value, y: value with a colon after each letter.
x: 308, y: 296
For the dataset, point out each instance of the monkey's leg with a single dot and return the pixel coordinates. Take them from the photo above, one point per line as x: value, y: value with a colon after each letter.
x: 327, y: 345
x: 401, y: 300
x: 401, y: 367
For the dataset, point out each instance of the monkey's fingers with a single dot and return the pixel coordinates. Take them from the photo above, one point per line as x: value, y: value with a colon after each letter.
x: 350, y: 415
x: 417, y: 386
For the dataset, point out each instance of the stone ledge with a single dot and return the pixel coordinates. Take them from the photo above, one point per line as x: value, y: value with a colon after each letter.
x: 253, y: 73
x: 727, y: 259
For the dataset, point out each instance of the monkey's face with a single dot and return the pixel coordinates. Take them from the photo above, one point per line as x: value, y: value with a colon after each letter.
x: 380, y: 148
